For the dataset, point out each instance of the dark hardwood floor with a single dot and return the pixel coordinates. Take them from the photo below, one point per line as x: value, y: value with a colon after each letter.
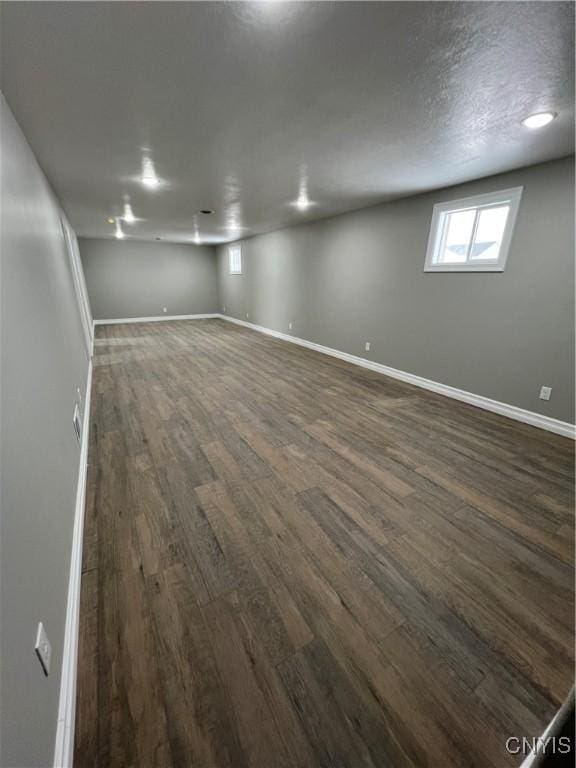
x: 292, y: 562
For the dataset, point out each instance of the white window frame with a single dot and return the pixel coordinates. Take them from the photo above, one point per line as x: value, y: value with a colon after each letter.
x: 509, y: 197
x: 231, y: 248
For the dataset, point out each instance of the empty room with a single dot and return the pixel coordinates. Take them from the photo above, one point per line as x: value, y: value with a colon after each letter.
x: 287, y: 384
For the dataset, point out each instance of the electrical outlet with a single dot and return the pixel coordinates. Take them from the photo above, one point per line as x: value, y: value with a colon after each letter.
x: 248, y: 315
x: 367, y: 346
x: 164, y: 309
x: 290, y: 326
x: 545, y: 393
x: 43, y: 649
x: 223, y: 309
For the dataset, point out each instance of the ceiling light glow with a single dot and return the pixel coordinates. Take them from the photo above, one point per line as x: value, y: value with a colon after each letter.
x: 539, y: 120
x: 149, y: 177
x: 303, y: 201
x: 128, y: 217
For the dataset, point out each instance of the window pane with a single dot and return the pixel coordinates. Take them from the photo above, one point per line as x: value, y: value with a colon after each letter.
x: 458, y: 233
x: 472, y: 234
x: 489, y: 234
x: 235, y: 260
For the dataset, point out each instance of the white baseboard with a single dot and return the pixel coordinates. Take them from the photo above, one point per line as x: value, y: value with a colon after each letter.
x: 64, y: 746
x: 158, y: 319
x: 563, y: 428
x: 553, y: 726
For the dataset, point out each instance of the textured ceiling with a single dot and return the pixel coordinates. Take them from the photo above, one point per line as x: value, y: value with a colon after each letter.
x: 239, y: 104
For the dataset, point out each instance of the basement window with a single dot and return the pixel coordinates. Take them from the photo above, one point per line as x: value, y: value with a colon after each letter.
x: 472, y: 234
x: 235, y: 259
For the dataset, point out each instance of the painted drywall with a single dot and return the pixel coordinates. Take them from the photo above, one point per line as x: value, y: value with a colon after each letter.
x: 131, y: 278
x: 359, y: 277
x: 44, y: 359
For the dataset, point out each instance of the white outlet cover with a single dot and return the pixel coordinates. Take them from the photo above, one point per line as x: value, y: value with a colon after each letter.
x: 247, y: 314
x: 164, y: 309
x: 367, y: 346
x: 43, y: 649
x: 289, y: 326
x: 545, y: 393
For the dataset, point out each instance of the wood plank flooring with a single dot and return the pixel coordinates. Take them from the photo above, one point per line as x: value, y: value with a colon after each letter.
x: 292, y: 562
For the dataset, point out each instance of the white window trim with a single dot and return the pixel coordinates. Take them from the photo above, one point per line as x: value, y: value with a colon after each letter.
x: 239, y: 246
x: 510, y: 196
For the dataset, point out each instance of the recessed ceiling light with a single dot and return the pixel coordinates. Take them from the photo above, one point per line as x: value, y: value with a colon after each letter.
x: 110, y: 220
x: 149, y: 177
x: 128, y: 214
x: 302, y: 203
x: 539, y: 120
x: 206, y: 211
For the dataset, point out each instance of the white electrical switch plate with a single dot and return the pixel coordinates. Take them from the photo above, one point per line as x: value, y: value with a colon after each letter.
x: 545, y: 393
x: 43, y: 649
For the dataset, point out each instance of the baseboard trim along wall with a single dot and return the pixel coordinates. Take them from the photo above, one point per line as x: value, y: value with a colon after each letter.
x: 64, y: 746
x: 159, y: 319
x: 563, y: 428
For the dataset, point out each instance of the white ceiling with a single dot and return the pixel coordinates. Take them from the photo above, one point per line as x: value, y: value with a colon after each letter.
x: 237, y: 102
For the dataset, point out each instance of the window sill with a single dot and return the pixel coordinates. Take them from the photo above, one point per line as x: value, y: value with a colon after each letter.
x: 463, y: 269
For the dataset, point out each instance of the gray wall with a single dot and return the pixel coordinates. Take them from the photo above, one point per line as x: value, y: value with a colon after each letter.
x: 130, y: 278
x: 359, y: 277
x: 43, y: 360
